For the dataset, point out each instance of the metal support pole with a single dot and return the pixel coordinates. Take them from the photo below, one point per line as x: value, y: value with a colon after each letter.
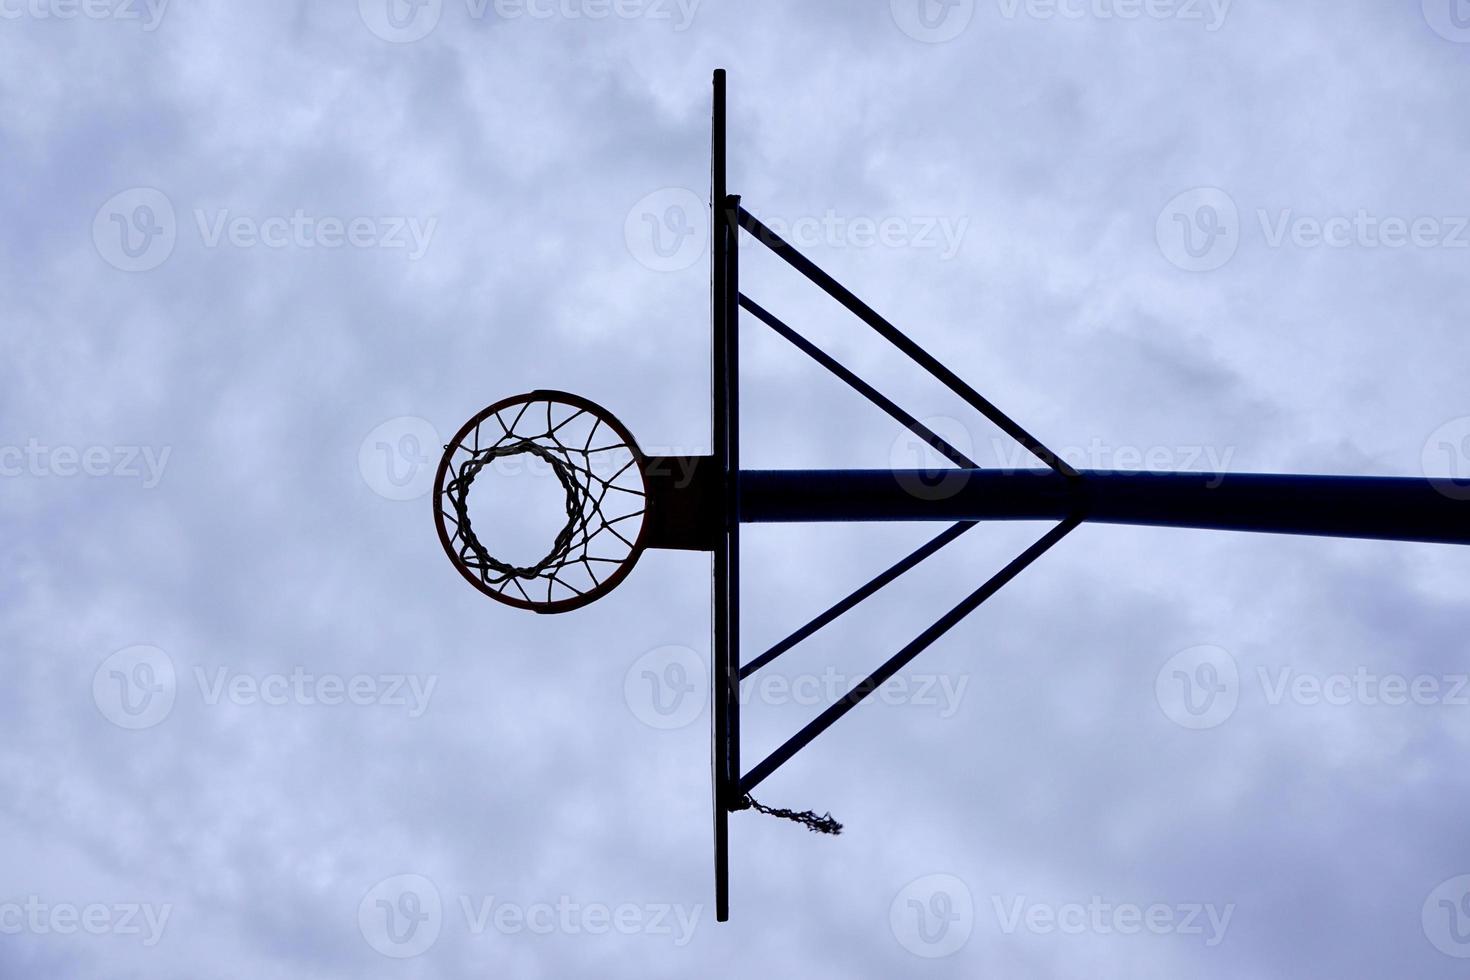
x: 1385, y: 508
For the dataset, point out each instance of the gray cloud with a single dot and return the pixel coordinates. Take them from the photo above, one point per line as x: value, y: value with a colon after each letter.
x: 529, y: 782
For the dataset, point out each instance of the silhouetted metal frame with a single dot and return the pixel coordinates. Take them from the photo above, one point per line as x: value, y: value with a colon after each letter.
x: 1368, y: 507
x: 725, y: 447
x: 1385, y: 508
x: 891, y: 333
x: 899, y: 339
x: 901, y: 659
x: 932, y: 438
x: 704, y: 508
x: 727, y: 219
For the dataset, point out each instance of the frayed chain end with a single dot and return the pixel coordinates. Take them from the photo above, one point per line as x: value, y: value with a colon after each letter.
x: 823, y: 824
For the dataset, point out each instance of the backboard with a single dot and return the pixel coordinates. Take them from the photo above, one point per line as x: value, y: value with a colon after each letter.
x: 725, y: 444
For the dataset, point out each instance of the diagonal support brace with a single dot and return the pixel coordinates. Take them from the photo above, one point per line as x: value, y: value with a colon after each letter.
x: 902, y: 341
x: 901, y: 659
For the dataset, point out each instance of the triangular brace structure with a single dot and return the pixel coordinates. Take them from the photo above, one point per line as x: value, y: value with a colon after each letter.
x: 700, y: 503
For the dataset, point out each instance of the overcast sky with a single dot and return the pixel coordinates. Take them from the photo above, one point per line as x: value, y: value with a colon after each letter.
x: 259, y: 261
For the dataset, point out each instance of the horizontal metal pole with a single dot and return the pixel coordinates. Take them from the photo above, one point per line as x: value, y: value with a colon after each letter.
x: 1386, y: 508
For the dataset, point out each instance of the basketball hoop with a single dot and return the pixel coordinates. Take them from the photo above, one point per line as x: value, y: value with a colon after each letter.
x: 619, y: 502
x: 597, y: 465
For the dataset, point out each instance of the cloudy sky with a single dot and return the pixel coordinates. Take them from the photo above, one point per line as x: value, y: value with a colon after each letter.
x: 261, y: 260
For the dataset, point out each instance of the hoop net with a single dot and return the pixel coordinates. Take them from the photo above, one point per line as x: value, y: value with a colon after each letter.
x: 594, y: 464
